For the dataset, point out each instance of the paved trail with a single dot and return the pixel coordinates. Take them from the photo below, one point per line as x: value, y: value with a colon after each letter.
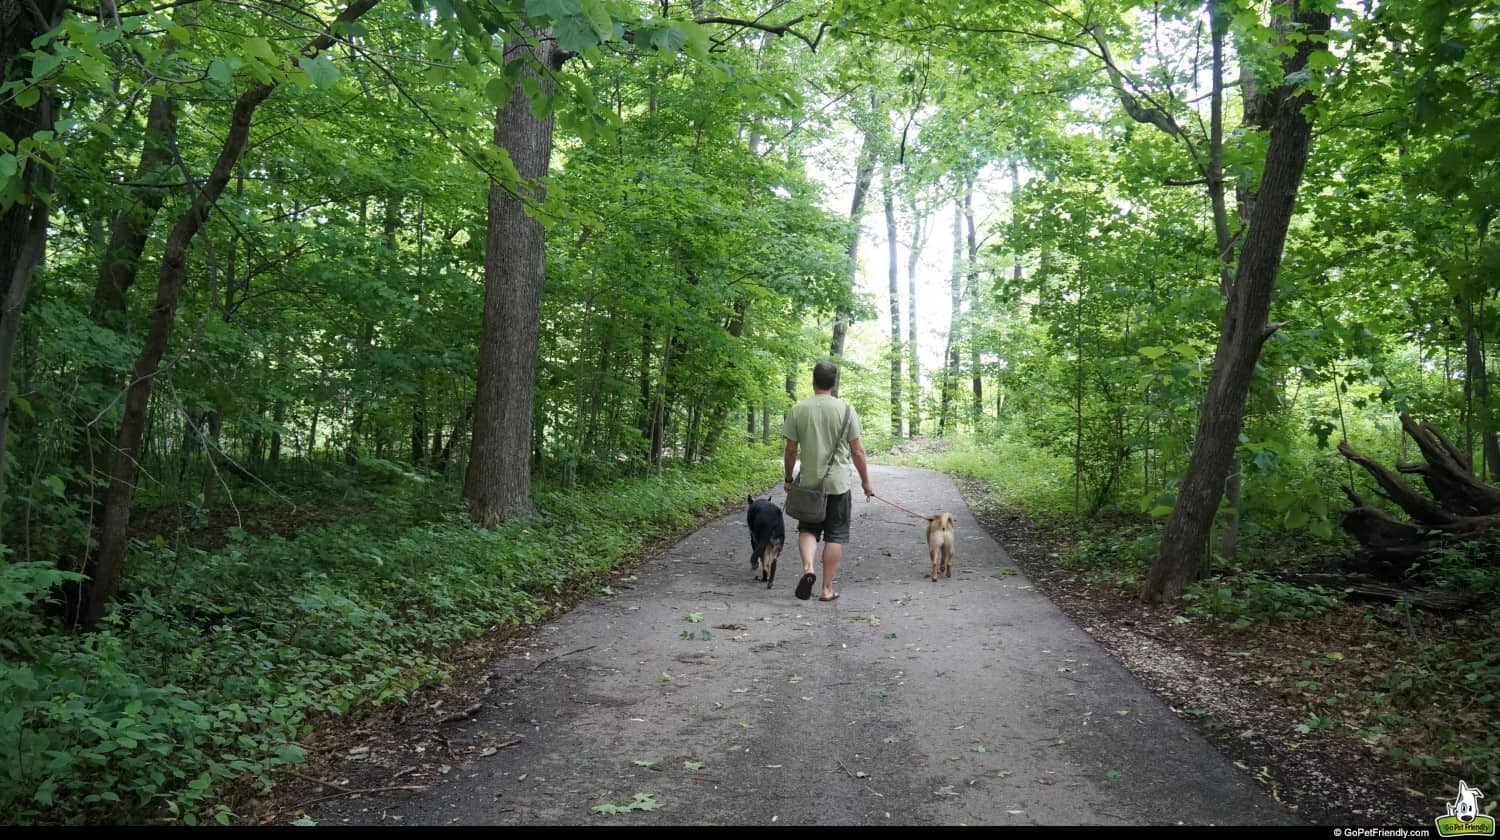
x: 971, y: 700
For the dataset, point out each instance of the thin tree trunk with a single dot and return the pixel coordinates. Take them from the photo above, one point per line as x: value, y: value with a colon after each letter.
x: 950, y: 373
x: 864, y: 172
x: 1242, y: 333
x: 895, y: 302
x: 278, y: 417
x: 497, y: 485
x: 975, y: 372
x: 1476, y: 377
x: 913, y: 255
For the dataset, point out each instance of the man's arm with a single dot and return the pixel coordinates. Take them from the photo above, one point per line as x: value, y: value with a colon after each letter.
x: 857, y: 454
x: 789, y: 462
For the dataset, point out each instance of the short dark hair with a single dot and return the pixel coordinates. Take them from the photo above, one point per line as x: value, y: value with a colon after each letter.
x: 825, y: 376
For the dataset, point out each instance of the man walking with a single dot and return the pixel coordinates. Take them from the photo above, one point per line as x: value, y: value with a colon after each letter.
x: 813, y: 426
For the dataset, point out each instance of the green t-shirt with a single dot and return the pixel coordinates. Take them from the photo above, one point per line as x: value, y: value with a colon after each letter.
x: 813, y: 424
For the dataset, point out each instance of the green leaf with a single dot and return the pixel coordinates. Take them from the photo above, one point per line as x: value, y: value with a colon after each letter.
x: 28, y: 96
x: 1152, y: 353
x: 220, y: 71
x: 321, y: 70
x: 554, y: 9
x: 499, y: 91
x: 260, y: 50
x: 8, y: 164
x: 575, y: 34
x: 43, y: 64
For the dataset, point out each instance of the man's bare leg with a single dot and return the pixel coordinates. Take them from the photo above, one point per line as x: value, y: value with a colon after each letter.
x: 807, y: 547
x: 832, y: 554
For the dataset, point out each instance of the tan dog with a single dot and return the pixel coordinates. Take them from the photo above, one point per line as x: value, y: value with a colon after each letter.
x: 940, y: 543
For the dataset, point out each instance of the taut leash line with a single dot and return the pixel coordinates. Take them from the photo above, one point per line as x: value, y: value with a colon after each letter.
x: 898, y: 507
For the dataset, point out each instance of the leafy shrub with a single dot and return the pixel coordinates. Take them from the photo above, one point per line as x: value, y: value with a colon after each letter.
x: 211, y: 663
x: 1254, y: 597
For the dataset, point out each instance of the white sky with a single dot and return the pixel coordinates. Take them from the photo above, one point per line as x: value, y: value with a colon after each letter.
x: 832, y: 165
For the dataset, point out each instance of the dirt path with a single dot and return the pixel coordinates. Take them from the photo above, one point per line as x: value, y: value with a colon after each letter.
x: 971, y: 700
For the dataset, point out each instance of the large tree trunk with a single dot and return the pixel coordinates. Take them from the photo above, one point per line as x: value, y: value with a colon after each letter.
x: 23, y: 224
x: 497, y: 485
x: 1242, y: 332
x: 116, y: 517
x: 895, y: 287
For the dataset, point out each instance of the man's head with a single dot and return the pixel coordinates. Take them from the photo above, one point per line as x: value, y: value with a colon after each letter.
x: 825, y: 376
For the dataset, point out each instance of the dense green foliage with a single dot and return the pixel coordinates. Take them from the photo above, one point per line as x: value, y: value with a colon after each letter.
x: 215, y: 660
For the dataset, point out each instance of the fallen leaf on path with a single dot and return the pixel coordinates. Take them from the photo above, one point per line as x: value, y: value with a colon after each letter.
x: 1044, y: 781
x: 945, y: 790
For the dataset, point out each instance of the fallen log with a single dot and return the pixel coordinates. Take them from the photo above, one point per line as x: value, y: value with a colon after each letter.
x: 1363, y: 586
x: 1463, y: 507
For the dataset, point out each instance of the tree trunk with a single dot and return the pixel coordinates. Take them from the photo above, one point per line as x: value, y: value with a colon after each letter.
x: 278, y: 417
x: 497, y: 485
x: 975, y: 375
x: 1476, y: 379
x: 913, y: 255
x: 950, y: 373
x: 864, y: 172
x: 1242, y: 332
x: 23, y: 225
x: 458, y: 431
x: 895, y: 302
x: 173, y: 273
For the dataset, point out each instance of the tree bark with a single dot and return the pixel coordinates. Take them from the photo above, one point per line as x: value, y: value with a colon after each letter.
x: 1242, y: 332
x: 895, y: 302
x: 497, y: 485
x: 950, y: 372
x: 173, y: 273
x: 23, y: 225
x: 1476, y: 379
x: 913, y: 255
x: 972, y: 332
x: 864, y: 172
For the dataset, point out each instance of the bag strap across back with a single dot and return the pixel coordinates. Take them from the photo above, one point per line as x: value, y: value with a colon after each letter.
x: 844, y: 427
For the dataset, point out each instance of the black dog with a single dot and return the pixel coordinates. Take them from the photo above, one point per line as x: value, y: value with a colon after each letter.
x: 767, y: 534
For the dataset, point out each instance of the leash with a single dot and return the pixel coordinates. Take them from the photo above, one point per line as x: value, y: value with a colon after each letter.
x: 898, y: 507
